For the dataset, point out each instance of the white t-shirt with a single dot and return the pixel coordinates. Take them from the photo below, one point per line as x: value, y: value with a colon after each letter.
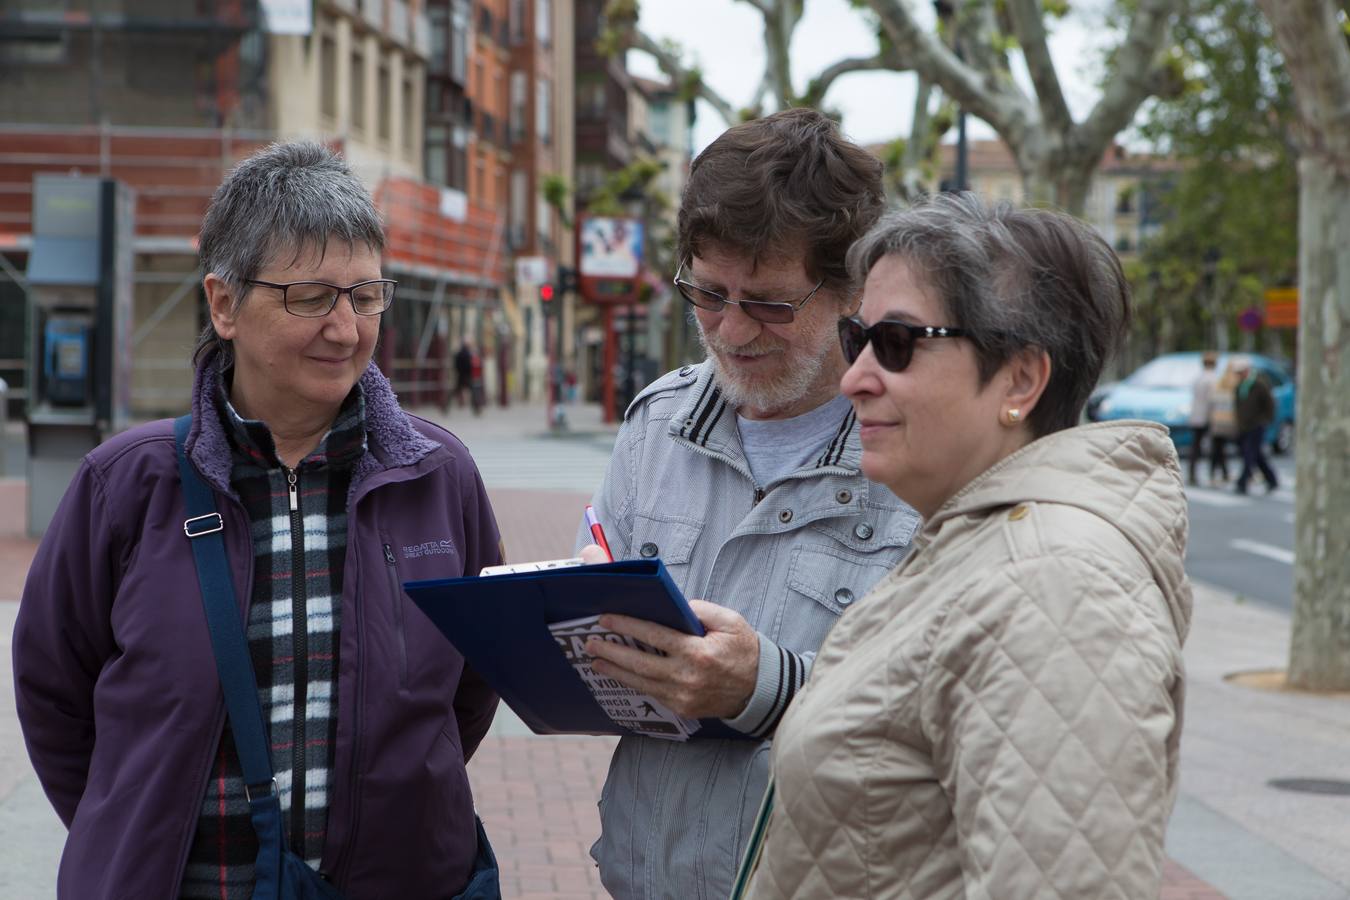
x: 776, y: 447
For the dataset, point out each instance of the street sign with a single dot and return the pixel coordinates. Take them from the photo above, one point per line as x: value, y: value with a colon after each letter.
x: 609, y: 258
x: 1282, y: 307
x: 532, y: 269
x: 1250, y: 319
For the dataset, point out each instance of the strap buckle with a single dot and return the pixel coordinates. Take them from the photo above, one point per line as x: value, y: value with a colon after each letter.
x: 272, y: 790
x: 209, y: 524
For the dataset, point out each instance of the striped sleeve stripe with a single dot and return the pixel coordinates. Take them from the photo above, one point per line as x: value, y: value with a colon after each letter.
x: 791, y: 676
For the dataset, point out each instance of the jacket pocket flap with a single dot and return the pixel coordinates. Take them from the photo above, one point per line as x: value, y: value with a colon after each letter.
x: 668, y: 538
x: 834, y: 578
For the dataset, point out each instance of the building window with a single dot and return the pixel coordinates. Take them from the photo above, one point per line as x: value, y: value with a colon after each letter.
x: 517, y: 21
x: 485, y: 23
x: 543, y: 21
x: 328, y: 76
x: 383, y: 102
x: 517, y: 106
x: 459, y: 43
x: 520, y: 199
x: 409, y: 118
x: 436, y: 163
x: 358, y: 79
x: 543, y: 223
x: 543, y: 110
x: 593, y: 99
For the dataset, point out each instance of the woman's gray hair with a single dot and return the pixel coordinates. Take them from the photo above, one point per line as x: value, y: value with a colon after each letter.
x: 1015, y: 278
x: 288, y: 198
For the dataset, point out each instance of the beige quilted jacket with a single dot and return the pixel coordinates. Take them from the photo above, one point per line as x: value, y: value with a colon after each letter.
x: 1000, y: 716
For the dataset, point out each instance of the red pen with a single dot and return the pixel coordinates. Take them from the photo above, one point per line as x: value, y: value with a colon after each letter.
x: 597, y: 532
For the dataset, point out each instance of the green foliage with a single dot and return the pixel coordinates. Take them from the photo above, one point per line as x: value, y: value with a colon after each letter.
x: 556, y: 193
x: 691, y: 83
x: 1229, y: 126
x: 620, y: 18
x: 629, y: 184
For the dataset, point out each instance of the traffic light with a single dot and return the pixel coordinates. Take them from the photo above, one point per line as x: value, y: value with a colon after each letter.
x: 567, y: 279
x: 546, y: 293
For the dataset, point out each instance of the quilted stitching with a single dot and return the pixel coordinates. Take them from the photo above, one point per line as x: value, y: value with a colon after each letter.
x: 998, y: 718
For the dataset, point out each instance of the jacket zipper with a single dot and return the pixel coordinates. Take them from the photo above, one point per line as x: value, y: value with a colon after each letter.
x: 396, y: 591
x: 300, y: 655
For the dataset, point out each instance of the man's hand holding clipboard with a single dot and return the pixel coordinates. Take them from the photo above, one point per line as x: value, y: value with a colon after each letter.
x: 712, y: 676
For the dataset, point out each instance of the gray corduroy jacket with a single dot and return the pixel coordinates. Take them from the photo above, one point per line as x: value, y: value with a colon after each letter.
x: 789, y: 556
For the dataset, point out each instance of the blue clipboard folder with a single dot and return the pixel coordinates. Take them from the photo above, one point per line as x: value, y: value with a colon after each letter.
x: 500, y: 625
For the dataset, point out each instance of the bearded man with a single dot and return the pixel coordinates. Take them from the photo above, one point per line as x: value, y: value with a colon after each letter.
x: 742, y: 475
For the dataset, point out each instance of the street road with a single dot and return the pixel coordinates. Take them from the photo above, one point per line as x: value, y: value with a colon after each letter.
x: 1245, y: 544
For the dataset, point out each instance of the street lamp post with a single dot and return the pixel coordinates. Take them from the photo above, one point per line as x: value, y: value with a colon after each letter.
x: 961, y: 182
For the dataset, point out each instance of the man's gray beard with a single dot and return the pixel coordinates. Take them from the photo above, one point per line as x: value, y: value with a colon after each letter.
x: 785, y: 390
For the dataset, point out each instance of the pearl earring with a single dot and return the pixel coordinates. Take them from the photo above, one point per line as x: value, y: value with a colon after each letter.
x: 1014, y: 416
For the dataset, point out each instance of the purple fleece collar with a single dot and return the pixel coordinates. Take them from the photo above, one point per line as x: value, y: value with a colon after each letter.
x: 393, y: 441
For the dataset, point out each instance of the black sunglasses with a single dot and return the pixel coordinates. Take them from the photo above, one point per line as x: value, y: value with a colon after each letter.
x: 768, y: 311
x: 892, y: 342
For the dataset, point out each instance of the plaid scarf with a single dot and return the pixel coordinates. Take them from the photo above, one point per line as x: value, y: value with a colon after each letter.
x: 288, y: 588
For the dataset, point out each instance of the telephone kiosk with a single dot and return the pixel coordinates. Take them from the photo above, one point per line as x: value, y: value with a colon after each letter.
x: 80, y: 306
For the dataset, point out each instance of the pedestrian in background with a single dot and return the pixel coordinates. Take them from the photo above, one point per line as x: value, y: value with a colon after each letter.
x: 464, y: 373
x: 1202, y: 401
x: 1001, y: 716
x: 329, y: 496
x: 1222, y: 423
x: 1255, y: 407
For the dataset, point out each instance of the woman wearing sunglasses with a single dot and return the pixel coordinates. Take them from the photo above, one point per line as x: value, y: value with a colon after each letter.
x: 1000, y: 717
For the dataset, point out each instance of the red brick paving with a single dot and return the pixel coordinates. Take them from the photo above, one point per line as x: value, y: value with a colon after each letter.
x: 536, y: 795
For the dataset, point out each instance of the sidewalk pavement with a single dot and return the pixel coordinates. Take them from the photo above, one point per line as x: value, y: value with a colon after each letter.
x: 1232, y: 835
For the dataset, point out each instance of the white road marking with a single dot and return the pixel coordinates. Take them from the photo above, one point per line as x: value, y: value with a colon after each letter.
x: 1279, y: 554
x: 1210, y: 497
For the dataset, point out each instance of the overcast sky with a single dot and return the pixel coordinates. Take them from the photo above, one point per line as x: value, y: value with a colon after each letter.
x: 726, y: 38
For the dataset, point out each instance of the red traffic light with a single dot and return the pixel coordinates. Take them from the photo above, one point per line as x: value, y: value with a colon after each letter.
x: 545, y: 293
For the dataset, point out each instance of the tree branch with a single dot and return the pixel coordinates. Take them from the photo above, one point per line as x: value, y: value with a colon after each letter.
x: 999, y: 103
x: 1029, y: 27
x: 683, y: 77
x: 820, y: 85
x: 1134, y: 67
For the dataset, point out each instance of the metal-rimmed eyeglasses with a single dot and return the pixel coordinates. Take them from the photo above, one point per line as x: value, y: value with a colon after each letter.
x: 315, y: 299
x: 770, y: 312
x: 892, y: 342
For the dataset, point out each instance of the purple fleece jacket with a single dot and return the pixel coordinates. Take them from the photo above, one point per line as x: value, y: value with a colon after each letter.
x: 117, y: 689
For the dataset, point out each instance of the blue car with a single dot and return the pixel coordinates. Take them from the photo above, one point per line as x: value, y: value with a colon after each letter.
x: 1160, y: 391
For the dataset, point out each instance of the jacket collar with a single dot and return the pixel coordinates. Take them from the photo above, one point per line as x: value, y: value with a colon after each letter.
x: 707, y: 420
x: 393, y: 442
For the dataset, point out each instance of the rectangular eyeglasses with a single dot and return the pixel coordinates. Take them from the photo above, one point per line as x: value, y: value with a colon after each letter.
x: 314, y: 299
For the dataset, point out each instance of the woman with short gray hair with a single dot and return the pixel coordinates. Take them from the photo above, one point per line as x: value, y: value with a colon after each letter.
x: 327, y: 496
x: 1001, y: 716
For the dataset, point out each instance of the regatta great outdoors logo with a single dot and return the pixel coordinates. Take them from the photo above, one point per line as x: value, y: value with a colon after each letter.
x: 430, y: 548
